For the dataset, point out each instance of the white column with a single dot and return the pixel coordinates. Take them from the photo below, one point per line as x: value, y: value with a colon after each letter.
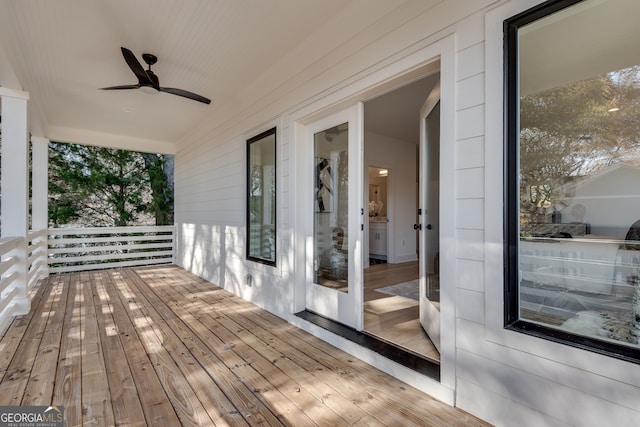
x: 39, y: 183
x: 15, y: 184
x: 40, y: 196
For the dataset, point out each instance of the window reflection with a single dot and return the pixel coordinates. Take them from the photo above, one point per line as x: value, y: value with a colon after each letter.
x: 330, y: 216
x: 579, y: 176
x: 261, y: 198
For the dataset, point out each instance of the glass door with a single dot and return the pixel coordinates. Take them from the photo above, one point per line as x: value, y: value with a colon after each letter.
x: 334, y: 256
x: 429, y: 216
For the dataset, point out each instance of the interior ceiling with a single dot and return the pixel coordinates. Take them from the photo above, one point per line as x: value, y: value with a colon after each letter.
x: 609, y: 45
x: 63, y: 51
x: 397, y: 114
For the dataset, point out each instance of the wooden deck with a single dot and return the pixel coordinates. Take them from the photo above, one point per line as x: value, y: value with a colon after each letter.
x: 160, y: 346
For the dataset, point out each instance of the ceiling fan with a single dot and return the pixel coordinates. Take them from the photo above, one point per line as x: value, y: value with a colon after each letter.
x: 148, y: 82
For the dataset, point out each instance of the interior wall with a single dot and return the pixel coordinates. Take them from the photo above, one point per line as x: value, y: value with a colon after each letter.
x: 399, y: 157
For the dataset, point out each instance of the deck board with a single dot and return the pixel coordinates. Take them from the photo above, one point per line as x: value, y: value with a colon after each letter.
x: 160, y: 346
x: 68, y: 387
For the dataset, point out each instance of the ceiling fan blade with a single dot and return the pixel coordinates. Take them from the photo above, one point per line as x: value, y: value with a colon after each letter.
x: 185, y: 94
x: 136, y: 67
x: 120, y: 87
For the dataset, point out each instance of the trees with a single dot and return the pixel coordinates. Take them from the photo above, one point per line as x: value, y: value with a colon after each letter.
x: 159, y: 168
x: 107, y: 187
x: 587, y: 125
x: 573, y: 131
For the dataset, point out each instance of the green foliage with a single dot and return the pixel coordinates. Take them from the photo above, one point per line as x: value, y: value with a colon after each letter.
x: 100, y: 186
x: 570, y: 130
x: 160, y: 170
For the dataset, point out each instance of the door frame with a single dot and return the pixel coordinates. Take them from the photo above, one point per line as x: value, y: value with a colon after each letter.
x: 390, y: 207
x: 339, y: 306
x: 385, y: 76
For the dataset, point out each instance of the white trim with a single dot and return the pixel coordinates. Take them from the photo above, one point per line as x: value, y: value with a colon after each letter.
x: 103, y: 139
x: 113, y: 230
x: 15, y: 185
x: 13, y: 93
x: 409, y: 68
x: 40, y: 183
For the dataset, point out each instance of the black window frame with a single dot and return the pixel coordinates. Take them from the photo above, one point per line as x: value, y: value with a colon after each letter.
x: 512, y: 320
x: 259, y: 137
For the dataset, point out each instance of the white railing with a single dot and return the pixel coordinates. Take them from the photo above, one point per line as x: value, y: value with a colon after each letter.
x: 8, y: 279
x: 81, y: 249
x: 36, y: 257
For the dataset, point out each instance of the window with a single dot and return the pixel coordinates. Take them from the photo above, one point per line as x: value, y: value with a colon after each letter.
x: 261, y: 198
x: 331, y: 208
x: 572, y: 180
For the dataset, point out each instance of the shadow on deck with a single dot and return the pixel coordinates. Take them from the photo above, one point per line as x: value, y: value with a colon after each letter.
x: 160, y: 346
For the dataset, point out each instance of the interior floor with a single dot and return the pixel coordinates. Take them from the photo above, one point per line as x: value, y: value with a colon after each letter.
x: 395, y: 319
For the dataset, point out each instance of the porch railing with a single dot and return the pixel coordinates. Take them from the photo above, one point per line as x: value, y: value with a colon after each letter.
x: 61, y: 250
x: 8, y: 289
x: 81, y: 249
x: 36, y: 257
x: 13, y: 286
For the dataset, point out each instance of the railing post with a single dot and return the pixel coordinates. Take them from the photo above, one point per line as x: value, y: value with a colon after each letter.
x: 40, y: 190
x: 174, y: 243
x: 15, y: 185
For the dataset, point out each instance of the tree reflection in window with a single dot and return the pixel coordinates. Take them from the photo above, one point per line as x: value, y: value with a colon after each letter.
x: 261, y: 198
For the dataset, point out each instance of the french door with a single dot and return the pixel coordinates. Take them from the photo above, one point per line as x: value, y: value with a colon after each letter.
x: 429, y: 214
x: 334, y: 280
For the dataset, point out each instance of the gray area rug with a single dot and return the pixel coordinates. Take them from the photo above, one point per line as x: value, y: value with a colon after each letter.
x: 404, y: 289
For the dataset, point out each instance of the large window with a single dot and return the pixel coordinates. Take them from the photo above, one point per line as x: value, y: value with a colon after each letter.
x: 572, y: 202
x: 261, y: 198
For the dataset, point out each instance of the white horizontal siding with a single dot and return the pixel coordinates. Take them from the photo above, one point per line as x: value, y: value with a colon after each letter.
x: 470, y: 61
x: 470, y: 305
x: 470, y: 153
x: 500, y: 410
x: 470, y: 92
x: 500, y: 377
x: 470, y: 213
x: 470, y: 275
x: 470, y: 183
x: 567, y: 404
x: 470, y: 122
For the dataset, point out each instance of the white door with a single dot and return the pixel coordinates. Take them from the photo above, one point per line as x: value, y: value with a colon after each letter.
x: 429, y: 218
x: 334, y: 283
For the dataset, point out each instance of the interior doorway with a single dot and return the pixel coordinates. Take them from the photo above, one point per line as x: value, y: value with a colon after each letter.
x: 378, y: 205
x: 392, y: 289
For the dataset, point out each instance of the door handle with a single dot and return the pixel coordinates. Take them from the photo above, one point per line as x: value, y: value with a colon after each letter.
x: 417, y: 226
x: 429, y: 227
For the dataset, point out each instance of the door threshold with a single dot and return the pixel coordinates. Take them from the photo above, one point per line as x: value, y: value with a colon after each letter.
x: 401, y: 347
x: 392, y: 352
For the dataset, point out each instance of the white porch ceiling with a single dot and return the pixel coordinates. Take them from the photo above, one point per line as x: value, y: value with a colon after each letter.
x: 63, y: 51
